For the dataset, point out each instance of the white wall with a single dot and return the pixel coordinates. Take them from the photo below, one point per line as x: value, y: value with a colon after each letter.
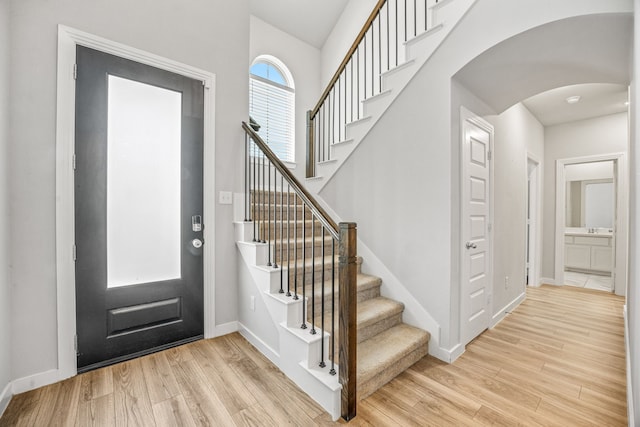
x: 344, y: 32
x: 398, y: 184
x: 601, y: 135
x: 212, y: 35
x: 517, y: 132
x: 5, y: 287
x: 303, y: 61
x: 633, y: 287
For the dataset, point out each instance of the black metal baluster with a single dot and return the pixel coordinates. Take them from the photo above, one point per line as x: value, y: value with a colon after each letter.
x: 275, y: 219
x: 281, y: 232
x: 254, y: 194
x: 246, y: 179
x: 358, y: 75
x: 263, y: 232
x: 333, y: 306
x: 364, y: 65
x: 295, y: 248
x: 425, y: 15
x: 339, y: 112
x: 397, y: 32
x: 288, y: 240
x: 379, y: 52
x: 415, y: 18
x: 268, y: 207
x: 351, y: 97
x: 373, y: 60
x: 388, y: 52
x: 304, y: 266
x: 313, y: 274
x: 405, y: 20
x: 322, y: 364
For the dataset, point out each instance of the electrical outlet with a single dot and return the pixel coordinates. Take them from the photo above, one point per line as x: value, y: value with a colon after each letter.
x: 506, y: 282
x: 252, y: 303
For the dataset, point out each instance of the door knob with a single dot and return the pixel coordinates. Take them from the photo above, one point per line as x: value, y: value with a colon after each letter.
x: 197, y: 243
x: 470, y: 245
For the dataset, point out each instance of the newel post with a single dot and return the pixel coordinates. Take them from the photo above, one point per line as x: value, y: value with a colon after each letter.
x: 347, y: 317
x: 311, y: 147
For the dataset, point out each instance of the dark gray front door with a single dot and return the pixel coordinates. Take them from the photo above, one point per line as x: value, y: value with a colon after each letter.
x: 138, y: 209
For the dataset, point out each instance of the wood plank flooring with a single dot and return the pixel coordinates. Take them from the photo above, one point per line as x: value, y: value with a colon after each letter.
x: 557, y: 360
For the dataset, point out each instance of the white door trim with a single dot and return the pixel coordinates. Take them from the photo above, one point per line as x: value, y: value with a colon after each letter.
x: 621, y: 222
x: 68, y: 38
x: 535, y: 240
x: 468, y: 116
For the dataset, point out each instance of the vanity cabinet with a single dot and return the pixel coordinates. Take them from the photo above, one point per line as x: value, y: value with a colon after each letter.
x: 588, y: 252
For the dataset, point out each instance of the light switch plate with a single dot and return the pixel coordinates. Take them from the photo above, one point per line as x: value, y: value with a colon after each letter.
x: 225, y: 198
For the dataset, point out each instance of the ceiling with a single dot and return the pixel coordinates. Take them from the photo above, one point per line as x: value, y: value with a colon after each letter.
x: 308, y: 20
x: 596, y: 99
x: 580, y: 50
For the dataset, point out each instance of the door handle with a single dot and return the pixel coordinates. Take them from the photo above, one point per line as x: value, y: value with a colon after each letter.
x: 197, y: 243
x: 470, y: 245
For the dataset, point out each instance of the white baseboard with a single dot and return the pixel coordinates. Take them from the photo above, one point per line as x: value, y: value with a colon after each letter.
x: 5, y: 398
x: 502, y: 313
x: 264, y: 348
x: 225, y: 329
x: 547, y: 281
x: 34, y: 381
x: 446, y: 355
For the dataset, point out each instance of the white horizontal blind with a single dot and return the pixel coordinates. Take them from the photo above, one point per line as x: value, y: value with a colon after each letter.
x: 271, y: 106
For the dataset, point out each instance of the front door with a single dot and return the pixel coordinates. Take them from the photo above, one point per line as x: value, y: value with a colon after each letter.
x: 477, y: 137
x: 138, y: 209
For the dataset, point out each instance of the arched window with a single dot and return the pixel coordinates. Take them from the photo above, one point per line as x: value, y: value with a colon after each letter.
x: 271, y: 105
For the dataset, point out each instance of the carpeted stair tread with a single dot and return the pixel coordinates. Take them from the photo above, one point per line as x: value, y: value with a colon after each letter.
x: 385, y: 351
x: 377, y: 309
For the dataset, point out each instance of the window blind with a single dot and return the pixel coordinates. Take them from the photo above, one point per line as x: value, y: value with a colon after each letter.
x: 271, y: 106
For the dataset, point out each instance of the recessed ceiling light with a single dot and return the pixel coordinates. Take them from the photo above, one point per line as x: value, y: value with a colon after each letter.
x: 573, y: 99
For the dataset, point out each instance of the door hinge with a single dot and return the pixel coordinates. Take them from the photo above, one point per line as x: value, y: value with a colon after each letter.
x: 75, y: 71
x: 488, y: 155
x: 74, y: 252
x: 73, y: 162
x: 489, y: 227
x: 75, y: 344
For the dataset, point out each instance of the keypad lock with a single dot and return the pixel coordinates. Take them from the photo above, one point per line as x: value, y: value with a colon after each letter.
x: 196, y: 223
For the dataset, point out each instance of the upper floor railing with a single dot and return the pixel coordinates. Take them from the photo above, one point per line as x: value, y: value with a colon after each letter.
x: 379, y: 47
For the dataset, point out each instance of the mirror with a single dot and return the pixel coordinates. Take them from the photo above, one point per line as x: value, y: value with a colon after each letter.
x: 590, y: 195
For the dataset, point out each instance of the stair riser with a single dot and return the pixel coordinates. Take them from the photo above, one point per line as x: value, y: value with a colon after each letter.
x: 272, y: 230
x: 262, y: 212
x: 297, y: 252
x: 269, y: 197
x: 365, y: 389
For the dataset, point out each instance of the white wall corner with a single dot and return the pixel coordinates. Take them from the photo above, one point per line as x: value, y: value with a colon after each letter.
x: 502, y: 313
x: 547, y: 281
x: 5, y: 398
x: 630, y: 401
x: 226, y: 328
x: 34, y: 381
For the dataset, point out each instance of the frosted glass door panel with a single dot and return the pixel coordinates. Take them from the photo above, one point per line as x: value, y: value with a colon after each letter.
x: 143, y: 183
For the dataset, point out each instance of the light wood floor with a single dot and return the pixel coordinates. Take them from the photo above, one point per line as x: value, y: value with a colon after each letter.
x: 558, y: 359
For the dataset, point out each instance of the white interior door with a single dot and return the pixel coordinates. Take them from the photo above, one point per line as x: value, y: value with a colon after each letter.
x: 476, y: 262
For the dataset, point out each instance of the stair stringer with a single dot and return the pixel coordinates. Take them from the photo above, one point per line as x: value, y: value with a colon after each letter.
x: 445, y: 15
x: 298, y: 351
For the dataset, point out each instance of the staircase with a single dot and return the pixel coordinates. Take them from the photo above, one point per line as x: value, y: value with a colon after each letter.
x: 342, y: 119
x: 385, y: 345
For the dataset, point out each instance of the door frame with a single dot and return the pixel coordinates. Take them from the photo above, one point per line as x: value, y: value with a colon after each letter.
x: 468, y: 115
x: 620, y: 236
x: 535, y: 239
x: 68, y: 39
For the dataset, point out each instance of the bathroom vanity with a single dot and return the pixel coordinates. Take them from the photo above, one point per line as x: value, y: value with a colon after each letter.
x: 588, y: 251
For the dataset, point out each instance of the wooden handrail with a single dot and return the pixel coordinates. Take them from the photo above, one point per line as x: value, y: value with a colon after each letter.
x: 348, y: 56
x: 307, y: 198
